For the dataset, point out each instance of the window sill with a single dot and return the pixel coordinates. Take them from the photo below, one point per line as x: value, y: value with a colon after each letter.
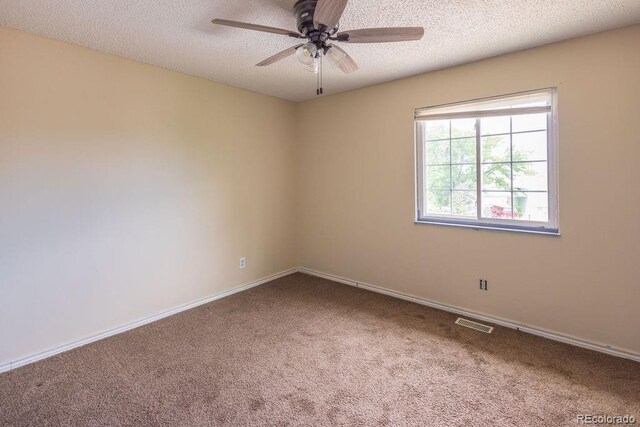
x: 555, y: 233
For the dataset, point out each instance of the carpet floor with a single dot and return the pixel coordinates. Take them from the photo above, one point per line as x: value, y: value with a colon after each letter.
x: 306, y: 351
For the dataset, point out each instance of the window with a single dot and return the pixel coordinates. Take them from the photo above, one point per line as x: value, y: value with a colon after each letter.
x: 489, y: 163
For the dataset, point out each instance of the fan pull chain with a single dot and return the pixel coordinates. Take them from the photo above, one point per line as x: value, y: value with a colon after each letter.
x: 321, y: 76
x: 318, y: 78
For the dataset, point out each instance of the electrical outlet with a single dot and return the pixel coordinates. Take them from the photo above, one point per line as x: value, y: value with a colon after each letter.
x: 483, y: 285
x: 243, y: 262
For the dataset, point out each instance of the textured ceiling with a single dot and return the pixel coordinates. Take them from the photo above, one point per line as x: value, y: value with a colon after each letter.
x: 178, y: 34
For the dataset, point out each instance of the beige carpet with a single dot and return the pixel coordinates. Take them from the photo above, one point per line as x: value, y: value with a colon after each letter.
x: 306, y: 351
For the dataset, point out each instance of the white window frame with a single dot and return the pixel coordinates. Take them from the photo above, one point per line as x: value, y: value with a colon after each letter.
x: 481, y: 108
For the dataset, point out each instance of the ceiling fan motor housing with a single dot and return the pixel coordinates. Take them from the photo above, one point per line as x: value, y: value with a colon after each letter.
x: 304, y: 11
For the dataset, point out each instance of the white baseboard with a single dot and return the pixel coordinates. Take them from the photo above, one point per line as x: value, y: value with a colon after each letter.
x: 140, y: 322
x: 423, y: 301
x: 578, y: 342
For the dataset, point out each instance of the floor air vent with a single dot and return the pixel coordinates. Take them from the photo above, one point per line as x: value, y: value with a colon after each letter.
x: 474, y: 325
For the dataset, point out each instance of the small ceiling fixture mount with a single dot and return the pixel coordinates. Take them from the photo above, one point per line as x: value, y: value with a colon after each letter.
x: 318, y: 23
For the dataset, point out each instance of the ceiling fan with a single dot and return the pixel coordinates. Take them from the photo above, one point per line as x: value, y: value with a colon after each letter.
x: 318, y: 22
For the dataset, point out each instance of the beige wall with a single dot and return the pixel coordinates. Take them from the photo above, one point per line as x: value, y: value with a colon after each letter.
x: 356, y: 193
x: 126, y: 190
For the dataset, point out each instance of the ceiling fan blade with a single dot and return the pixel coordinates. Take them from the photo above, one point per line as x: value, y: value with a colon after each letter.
x: 382, y: 35
x: 278, y: 56
x: 328, y: 13
x: 348, y: 65
x: 256, y: 27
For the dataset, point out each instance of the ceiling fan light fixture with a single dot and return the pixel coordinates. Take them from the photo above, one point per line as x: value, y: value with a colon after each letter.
x: 335, y: 56
x: 306, y: 55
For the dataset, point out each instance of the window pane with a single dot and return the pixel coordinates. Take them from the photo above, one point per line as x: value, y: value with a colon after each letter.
x: 531, y: 206
x: 461, y: 128
x: 526, y: 122
x: 530, y: 146
x: 439, y: 177
x: 438, y: 129
x: 496, y: 205
x: 464, y: 203
x: 496, y: 176
x: 530, y: 176
x: 463, y: 150
x: 437, y: 152
x: 495, y: 125
x: 488, y: 169
x: 464, y: 177
x: 438, y: 202
x: 496, y: 149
